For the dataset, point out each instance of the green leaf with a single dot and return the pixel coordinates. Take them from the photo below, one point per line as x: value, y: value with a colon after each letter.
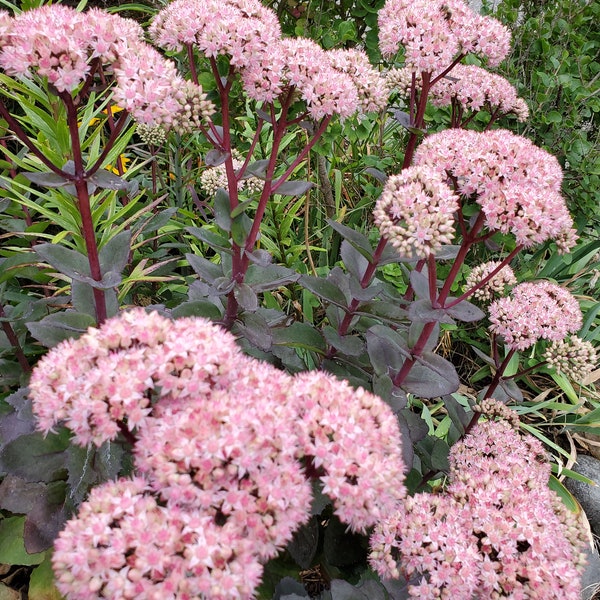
x: 270, y: 277
x: 350, y: 345
x: 293, y: 188
x: 214, y: 240
x: 465, y: 311
x: 387, y: 349
x: 207, y: 270
x: 41, y: 582
x: 431, y: 377
x: 67, y: 261
x: 12, y: 547
x: 246, y: 297
x: 47, y: 179
x: 323, y: 289
x: 114, y: 255
x: 357, y: 239
x: 421, y: 311
x: 299, y: 335
x: 34, y: 457
x: 56, y: 327
x: 197, y: 308
x: 110, y: 181
x: 222, y: 206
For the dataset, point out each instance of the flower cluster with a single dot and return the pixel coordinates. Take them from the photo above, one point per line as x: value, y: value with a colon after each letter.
x: 371, y: 87
x: 534, y: 311
x: 60, y: 43
x: 214, y: 178
x: 126, y: 544
x: 106, y: 377
x: 516, y: 183
x: 434, y: 33
x: 221, y: 445
x: 495, y: 286
x: 415, y: 212
x: 337, y: 82
x: 153, y: 135
x: 497, y: 532
x: 347, y: 435
x: 67, y: 46
x: 240, y: 29
x: 474, y: 88
x: 574, y: 357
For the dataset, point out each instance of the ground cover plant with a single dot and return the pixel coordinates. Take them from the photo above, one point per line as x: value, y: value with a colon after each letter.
x: 210, y: 393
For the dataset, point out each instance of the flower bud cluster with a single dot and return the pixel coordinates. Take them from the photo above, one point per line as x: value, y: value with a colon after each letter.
x: 496, y: 286
x: 497, y: 532
x: 433, y: 33
x: 152, y: 135
x: 535, y: 311
x: 415, y: 212
x: 221, y: 445
x: 574, y: 357
x: 214, y: 178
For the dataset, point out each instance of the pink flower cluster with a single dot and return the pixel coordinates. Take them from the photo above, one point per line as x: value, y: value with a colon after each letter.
x: 415, y: 212
x: 240, y: 29
x: 337, y: 82
x: 516, y: 183
x: 64, y: 46
x: 534, y: 311
x: 433, y: 33
x: 497, y: 532
x: 125, y: 543
x: 222, y: 440
x: 474, y: 88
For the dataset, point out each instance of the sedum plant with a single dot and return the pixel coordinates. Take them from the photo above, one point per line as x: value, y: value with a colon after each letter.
x: 190, y: 444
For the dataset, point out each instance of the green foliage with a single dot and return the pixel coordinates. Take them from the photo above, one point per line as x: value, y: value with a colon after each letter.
x: 555, y: 64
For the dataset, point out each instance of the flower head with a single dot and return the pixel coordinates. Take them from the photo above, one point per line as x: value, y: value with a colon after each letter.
x: 475, y: 88
x: 105, y: 379
x: 495, y: 286
x: 516, y: 183
x: 232, y: 454
x: 124, y: 544
x: 434, y: 33
x: 497, y: 532
x: 533, y: 311
x: 354, y: 438
x: 415, y: 212
x: 574, y: 357
x: 241, y: 29
x: 371, y: 86
x: 60, y: 43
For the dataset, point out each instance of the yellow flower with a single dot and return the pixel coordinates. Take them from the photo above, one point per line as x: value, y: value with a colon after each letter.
x: 122, y: 161
x: 114, y: 109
